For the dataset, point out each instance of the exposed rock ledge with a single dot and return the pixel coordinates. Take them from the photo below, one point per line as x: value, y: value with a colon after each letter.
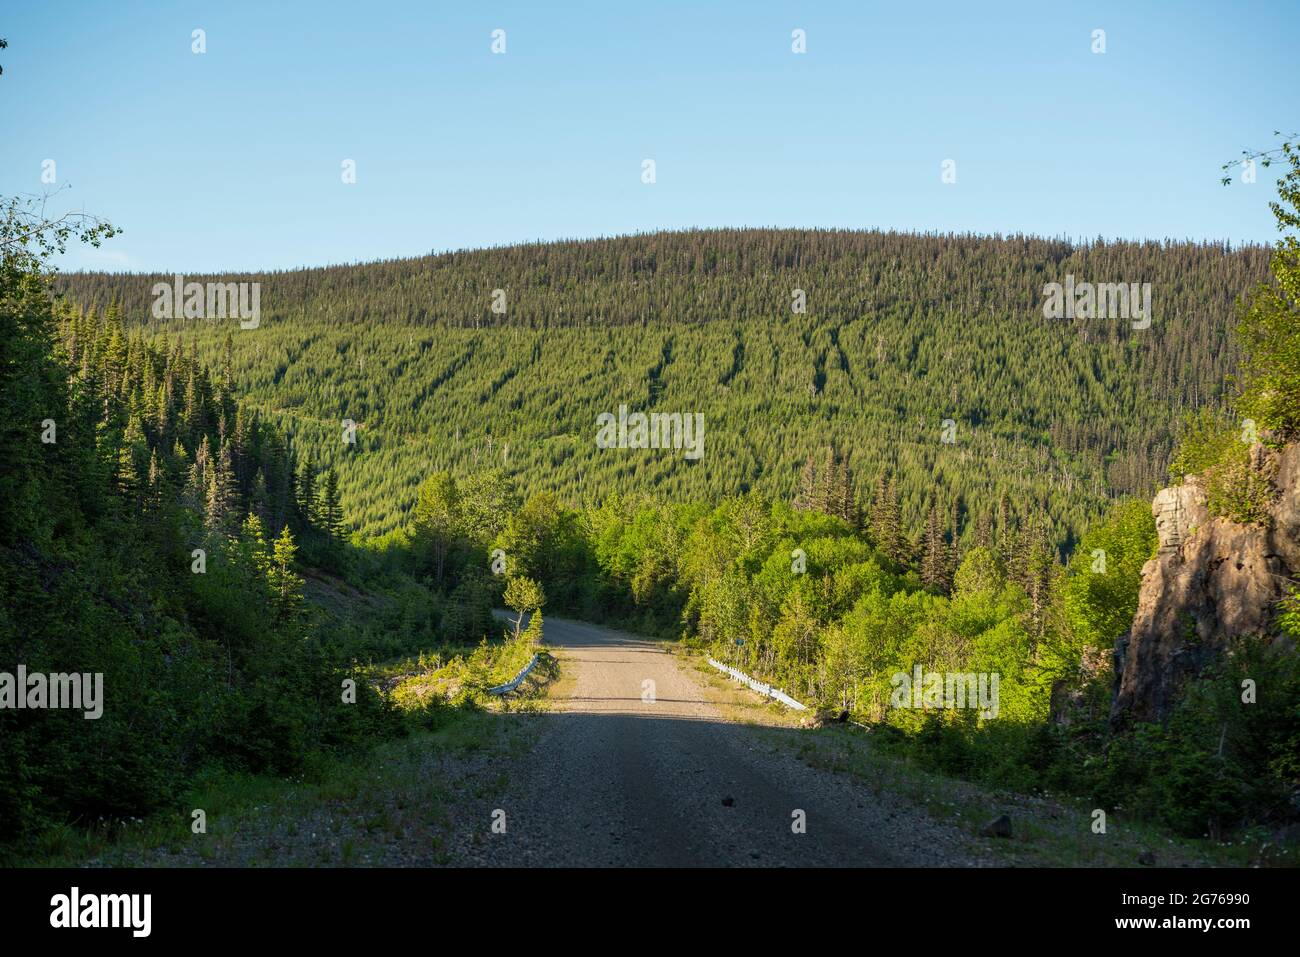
x: 1211, y: 583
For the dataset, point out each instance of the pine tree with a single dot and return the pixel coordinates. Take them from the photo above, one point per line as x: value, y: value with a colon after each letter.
x: 115, y: 366
x: 196, y: 488
x: 222, y: 497
x: 808, y: 495
x: 240, y: 449
x: 286, y: 587
x: 259, y: 499
x: 936, y: 559
x: 227, y: 381
x: 886, y: 522
x: 176, y: 468
x: 1006, y: 537
x: 162, y: 416
x: 331, y: 512
x: 826, y: 482
x: 307, y: 492
x: 984, y: 530
x: 279, y: 469
x: 826, y: 485
x: 252, y: 537
x: 155, y: 492
x: 845, y: 504
x: 1036, y: 571
x: 954, y: 537
x: 195, y: 420
x: 130, y: 460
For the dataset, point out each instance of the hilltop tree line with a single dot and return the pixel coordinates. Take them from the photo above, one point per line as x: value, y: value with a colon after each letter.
x: 703, y: 276
x: 903, y: 334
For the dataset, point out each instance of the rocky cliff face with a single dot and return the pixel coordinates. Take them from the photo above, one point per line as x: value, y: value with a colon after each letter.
x: 1212, y: 582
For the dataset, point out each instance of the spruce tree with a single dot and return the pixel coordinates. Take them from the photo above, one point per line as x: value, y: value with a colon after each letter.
x: 286, y: 587
x: 307, y: 492
x: 155, y: 493
x: 331, y: 512
x: 984, y: 530
x: 886, y: 522
x: 806, y: 496
x: 196, y: 487
x: 845, y: 504
x: 935, y: 555
x: 222, y: 496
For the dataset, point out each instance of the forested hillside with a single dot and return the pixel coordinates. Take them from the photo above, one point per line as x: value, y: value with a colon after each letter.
x: 833, y: 602
x: 153, y: 532
x: 1050, y: 418
x: 888, y: 481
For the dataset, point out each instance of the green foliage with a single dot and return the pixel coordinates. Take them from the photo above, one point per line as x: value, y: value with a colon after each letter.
x: 136, y: 496
x: 29, y: 237
x: 437, y: 525
x: 286, y: 587
x: 836, y: 630
x: 1288, y: 618
x: 533, y: 535
x: 422, y: 698
x: 330, y: 511
x: 1240, y: 487
x: 1219, y: 761
x: 478, y: 435
x: 826, y: 484
x: 1100, y: 590
x: 1270, y: 327
x: 902, y: 332
x: 425, y: 691
x: 1206, y: 439
x: 802, y: 599
x: 1238, y: 484
x: 524, y: 595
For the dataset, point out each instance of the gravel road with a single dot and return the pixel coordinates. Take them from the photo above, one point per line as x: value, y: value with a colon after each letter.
x: 635, y: 765
x: 640, y: 759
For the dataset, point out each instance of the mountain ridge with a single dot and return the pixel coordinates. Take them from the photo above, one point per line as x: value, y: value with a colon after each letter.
x: 900, y: 333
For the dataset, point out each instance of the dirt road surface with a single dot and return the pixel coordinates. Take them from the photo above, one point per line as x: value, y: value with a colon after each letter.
x: 635, y: 765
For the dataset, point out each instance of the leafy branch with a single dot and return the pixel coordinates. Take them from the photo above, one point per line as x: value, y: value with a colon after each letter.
x: 29, y: 234
x: 1265, y: 158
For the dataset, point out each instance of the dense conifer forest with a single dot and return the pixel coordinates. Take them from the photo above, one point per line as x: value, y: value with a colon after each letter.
x: 919, y: 469
x: 901, y: 334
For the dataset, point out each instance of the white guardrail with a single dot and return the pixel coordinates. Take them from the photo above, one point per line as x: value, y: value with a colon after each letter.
x: 759, y: 686
x: 518, y: 679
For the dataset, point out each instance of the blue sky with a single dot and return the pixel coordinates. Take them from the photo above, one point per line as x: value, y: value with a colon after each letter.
x: 230, y: 160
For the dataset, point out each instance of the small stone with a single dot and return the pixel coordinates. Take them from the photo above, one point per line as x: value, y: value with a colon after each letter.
x: 728, y: 801
x: 998, y: 827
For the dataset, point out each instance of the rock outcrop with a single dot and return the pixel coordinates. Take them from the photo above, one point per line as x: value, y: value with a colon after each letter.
x: 1213, y: 582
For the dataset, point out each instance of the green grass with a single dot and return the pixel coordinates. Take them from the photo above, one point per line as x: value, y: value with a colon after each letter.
x: 342, y: 810
x: 1047, y: 830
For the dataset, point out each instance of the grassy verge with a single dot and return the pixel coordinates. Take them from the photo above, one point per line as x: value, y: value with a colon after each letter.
x: 736, y: 701
x: 388, y: 805
x: 1047, y: 830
